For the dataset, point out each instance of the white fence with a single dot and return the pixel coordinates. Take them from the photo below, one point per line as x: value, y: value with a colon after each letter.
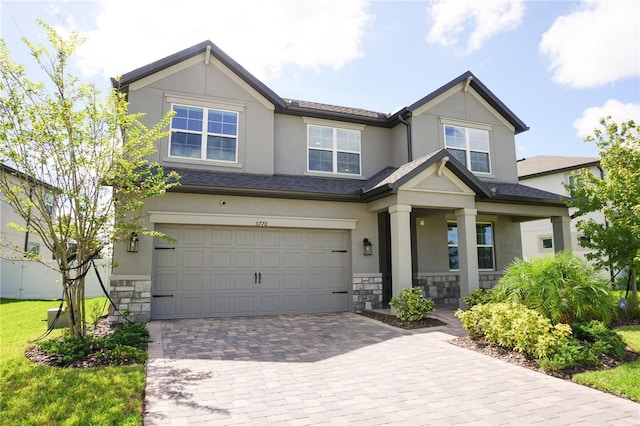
x: 21, y: 279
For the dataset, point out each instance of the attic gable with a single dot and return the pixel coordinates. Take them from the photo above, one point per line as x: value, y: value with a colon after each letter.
x: 469, y: 83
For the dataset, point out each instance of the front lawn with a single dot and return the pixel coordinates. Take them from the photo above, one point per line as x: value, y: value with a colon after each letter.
x: 37, y: 395
x: 624, y: 380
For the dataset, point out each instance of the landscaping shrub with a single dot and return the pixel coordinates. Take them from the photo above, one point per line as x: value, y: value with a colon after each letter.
x: 555, y: 347
x: 513, y: 326
x: 562, y: 288
x: 124, y: 345
x: 411, y: 305
x: 478, y: 296
x: 600, y: 339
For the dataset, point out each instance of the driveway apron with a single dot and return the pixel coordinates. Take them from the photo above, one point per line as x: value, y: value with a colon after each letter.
x: 346, y: 369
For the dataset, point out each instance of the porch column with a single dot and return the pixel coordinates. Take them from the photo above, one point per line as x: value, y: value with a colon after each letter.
x: 561, y: 233
x: 401, y: 277
x: 467, y: 252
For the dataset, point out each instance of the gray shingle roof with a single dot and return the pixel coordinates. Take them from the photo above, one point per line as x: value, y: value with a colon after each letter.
x: 383, y: 183
x: 315, y: 109
x: 547, y: 164
x: 312, y: 186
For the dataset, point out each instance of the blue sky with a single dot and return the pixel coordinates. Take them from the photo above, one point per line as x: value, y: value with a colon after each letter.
x: 558, y: 65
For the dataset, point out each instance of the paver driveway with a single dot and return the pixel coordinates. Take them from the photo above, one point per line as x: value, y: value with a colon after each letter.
x: 347, y: 369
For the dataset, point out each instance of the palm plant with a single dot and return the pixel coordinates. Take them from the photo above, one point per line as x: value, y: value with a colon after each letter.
x: 563, y: 288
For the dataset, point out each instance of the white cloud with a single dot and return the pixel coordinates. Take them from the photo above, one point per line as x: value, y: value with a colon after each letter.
x: 618, y: 111
x: 597, y: 44
x: 486, y: 18
x: 263, y: 36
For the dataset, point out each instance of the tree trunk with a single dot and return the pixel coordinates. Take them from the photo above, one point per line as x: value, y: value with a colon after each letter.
x: 74, y: 300
x: 634, y: 310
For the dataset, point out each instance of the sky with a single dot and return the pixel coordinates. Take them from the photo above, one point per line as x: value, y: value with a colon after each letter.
x: 560, y: 66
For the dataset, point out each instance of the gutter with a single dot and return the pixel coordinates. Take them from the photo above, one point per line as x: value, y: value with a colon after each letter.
x: 409, y: 143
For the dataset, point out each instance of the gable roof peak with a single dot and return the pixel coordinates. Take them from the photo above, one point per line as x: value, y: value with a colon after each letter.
x: 471, y: 80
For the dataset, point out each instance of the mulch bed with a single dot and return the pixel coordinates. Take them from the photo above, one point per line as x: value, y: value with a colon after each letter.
x: 52, y: 360
x: 397, y: 322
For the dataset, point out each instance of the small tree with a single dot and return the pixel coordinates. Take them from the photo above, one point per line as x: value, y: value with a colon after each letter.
x: 617, y: 196
x: 64, y: 133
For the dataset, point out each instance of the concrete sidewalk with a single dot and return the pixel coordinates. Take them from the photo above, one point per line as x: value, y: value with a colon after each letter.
x: 346, y: 369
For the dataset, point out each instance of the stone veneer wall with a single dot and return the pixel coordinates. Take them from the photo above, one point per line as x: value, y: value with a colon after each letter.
x: 444, y: 289
x: 367, y: 291
x: 132, y: 294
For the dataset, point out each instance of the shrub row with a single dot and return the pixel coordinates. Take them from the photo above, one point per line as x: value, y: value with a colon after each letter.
x: 555, y: 347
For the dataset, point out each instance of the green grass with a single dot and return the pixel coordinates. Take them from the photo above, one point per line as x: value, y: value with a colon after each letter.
x: 624, y: 380
x: 37, y: 395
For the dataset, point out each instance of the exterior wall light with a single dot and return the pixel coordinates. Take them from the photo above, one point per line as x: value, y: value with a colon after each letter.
x: 132, y: 243
x: 368, y: 247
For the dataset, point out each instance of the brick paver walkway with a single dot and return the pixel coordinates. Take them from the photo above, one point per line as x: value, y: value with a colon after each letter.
x: 346, y: 369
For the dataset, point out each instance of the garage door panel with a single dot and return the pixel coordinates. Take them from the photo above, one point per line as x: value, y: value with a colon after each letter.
x: 220, y: 305
x: 244, y: 281
x: 270, y: 304
x: 164, y: 307
x: 316, y: 259
x: 193, y: 236
x: 269, y: 260
x: 269, y: 281
x: 192, y: 282
x: 167, y: 258
x: 218, y: 282
x: 245, y: 238
x: 292, y: 281
x: 316, y: 280
x: 191, y: 305
x: 221, y: 237
x: 245, y: 259
x: 227, y: 271
x: 220, y: 259
x: 270, y: 238
x: 166, y: 282
x: 243, y: 305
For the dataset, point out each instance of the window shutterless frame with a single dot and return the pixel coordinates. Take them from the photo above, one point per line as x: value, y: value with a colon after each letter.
x: 484, y: 244
x: 204, y: 133
x: 333, y: 150
x: 470, y: 146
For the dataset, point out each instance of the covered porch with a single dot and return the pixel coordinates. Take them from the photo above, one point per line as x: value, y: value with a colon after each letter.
x: 443, y: 229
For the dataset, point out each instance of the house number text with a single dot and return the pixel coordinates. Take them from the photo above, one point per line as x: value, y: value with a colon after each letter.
x: 262, y: 223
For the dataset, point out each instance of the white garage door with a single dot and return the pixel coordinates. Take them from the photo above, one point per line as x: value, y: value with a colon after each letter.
x: 224, y: 271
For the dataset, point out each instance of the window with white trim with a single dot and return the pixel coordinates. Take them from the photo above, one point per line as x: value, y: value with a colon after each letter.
x: 546, y: 243
x: 204, y: 133
x: 333, y: 150
x: 469, y: 146
x: 484, y: 242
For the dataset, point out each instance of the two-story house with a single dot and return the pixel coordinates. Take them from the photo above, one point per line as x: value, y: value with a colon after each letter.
x: 15, y: 243
x: 554, y: 173
x: 289, y: 206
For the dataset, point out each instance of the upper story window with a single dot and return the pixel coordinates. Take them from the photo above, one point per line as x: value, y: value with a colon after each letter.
x: 204, y: 133
x: 333, y: 150
x: 469, y: 146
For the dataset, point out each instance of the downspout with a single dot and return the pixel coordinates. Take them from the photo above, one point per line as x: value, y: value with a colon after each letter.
x: 26, y: 234
x: 409, y: 144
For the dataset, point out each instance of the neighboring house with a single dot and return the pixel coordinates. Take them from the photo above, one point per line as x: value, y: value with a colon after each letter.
x: 289, y: 206
x: 553, y: 174
x: 14, y: 243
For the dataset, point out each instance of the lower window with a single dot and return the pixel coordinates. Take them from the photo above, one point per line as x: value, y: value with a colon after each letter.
x: 484, y: 241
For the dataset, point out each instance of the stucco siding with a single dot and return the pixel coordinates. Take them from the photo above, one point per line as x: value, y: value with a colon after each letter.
x: 209, y: 86
x: 366, y: 223
x: 428, y: 132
